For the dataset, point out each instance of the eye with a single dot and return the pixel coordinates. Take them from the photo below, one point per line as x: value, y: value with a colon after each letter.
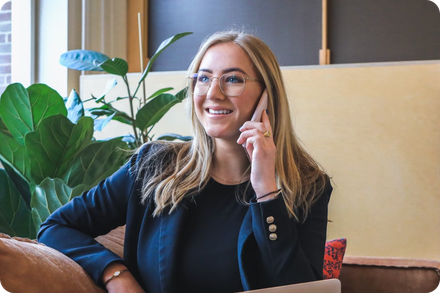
x: 234, y: 78
x: 202, y: 78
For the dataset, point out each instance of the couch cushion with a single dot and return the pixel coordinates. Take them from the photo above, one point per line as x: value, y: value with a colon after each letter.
x: 114, y: 240
x: 389, y: 275
x: 334, y: 254
x: 27, y: 266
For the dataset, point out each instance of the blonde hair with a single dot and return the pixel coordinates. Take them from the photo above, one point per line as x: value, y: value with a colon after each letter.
x: 181, y: 169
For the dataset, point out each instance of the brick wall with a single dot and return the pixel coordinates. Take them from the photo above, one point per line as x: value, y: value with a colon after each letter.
x: 5, y: 46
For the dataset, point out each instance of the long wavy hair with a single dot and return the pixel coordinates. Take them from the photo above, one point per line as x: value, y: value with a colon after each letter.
x: 177, y: 170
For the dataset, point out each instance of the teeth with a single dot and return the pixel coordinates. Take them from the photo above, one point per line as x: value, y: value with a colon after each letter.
x: 219, y: 112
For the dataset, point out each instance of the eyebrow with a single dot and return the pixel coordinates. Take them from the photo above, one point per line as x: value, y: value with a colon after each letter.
x: 224, y: 70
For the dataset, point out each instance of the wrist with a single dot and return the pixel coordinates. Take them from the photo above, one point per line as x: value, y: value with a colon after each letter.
x: 262, y: 189
x: 111, y: 269
x: 268, y: 196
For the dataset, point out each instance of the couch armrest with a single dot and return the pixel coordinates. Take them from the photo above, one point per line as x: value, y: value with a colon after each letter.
x: 114, y: 240
x: 389, y: 275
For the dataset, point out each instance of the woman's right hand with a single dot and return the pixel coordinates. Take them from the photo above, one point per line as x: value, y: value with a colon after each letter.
x: 124, y: 283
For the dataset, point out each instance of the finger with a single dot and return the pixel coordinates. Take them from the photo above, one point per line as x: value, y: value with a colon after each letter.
x: 244, y: 136
x: 250, y: 147
x: 253, y: 125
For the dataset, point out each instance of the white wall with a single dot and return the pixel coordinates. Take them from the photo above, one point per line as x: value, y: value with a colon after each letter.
x: 48, y: 28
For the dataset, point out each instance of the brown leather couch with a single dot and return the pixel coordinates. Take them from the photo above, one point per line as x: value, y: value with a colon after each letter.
x: 389, y: 275
x: 27, y: 266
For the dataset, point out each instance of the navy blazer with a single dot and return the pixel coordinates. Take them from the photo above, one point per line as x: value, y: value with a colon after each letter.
x: 295, y: 256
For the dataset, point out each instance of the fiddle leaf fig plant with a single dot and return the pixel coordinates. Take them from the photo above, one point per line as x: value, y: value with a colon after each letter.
x: 48, y: 150
x: 46, y: 156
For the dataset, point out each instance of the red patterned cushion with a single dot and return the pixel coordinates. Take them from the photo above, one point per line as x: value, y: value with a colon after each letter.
x: 334, y: 254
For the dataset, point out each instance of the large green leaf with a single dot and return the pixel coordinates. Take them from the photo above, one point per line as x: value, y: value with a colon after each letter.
x: 53, y: 146
x: 15, y: 218
x: 161, y: 91
x: 50, y: 195
x: 96, y: 162
x: 22, y: 110
x: 154, y: 110
x: 13, y: 152
x: 159, y: 50
x: 116, y: 66
x: 182, y: 94
x: 19, y: 182
x: 15, y: 111
x: 45, y: 102
x: 83, y: 60
x: 75, y: 108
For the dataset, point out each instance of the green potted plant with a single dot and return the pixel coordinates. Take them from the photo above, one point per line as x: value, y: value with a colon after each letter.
x: 48, y: 151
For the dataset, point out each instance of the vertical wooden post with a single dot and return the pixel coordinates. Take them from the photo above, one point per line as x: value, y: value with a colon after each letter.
x: 133, y: 56
x: 324, y: 53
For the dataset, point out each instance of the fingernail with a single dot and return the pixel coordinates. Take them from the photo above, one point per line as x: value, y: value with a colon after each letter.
x: 267, y: 112
x: 240, y: 128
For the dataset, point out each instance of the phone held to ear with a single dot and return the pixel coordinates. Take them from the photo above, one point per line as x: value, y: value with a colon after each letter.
x: 262, y: 106
x: 257, y: 116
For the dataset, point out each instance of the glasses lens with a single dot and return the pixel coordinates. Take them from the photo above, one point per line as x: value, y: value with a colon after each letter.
x: 199, y: 83
x: 232, y: 84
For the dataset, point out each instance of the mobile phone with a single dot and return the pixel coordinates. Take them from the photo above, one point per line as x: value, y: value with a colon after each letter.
x: 262, y: 106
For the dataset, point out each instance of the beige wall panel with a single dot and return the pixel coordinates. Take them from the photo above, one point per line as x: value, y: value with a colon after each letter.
x: 377, y: 132
x: 375, y: 129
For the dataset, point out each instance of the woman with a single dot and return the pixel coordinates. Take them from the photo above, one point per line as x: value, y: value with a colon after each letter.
x: 200, y: 217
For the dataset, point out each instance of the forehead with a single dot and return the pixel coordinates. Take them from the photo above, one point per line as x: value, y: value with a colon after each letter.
x: 221, y: 57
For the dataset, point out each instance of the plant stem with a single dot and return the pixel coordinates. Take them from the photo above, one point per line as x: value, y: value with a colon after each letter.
x: 133, y: 122
x: 91, y: 99
x: 137, y: 88
x: 143, y: 91
x: 148, y: 132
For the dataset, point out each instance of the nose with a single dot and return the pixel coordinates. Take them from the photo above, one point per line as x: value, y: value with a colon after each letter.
x: 214, y: 90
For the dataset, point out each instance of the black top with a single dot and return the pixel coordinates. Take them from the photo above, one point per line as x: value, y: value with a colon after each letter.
x: 213, y: 221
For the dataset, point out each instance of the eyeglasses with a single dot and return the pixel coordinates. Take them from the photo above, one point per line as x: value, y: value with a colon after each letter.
x: 231, y: 84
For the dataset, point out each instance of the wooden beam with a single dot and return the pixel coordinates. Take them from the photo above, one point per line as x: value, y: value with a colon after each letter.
x: 133, y: 56
x: 324, y: 53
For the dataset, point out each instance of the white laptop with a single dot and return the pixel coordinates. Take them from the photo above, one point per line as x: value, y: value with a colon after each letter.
x: 324, y: 286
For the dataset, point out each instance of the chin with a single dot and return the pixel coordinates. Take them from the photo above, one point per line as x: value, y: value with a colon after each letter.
x: 223, y: 135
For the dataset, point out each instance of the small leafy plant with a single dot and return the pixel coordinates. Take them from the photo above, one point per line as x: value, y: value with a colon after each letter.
x: 152, y: 108
x: 47, y: 146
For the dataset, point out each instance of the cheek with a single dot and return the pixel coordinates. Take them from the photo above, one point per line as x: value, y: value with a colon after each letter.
x: 198, y: 105
x: 248, y: 107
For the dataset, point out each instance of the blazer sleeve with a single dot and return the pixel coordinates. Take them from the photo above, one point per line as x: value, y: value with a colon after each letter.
x: 290, y: 251
x: 71, y: 229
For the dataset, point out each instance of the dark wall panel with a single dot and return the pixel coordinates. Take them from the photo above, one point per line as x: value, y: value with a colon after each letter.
x: 291, y: 28
x: 383, y: 30
x: 359, y: 30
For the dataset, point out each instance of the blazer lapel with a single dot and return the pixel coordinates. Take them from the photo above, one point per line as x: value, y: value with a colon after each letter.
x: 170, y: 229
x: 245, y: 254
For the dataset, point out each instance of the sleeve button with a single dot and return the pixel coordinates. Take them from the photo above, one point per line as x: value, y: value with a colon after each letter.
x: 273, y: 236
x: 270, y: 220
x: 272, y: 228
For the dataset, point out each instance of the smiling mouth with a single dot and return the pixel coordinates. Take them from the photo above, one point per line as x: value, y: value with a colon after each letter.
x: 219, y: 112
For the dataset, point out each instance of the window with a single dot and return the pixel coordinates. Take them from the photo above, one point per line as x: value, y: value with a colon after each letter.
x: 5, y: 46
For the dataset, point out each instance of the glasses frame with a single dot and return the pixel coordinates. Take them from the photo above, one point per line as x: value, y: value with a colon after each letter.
x: 193, y: 78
